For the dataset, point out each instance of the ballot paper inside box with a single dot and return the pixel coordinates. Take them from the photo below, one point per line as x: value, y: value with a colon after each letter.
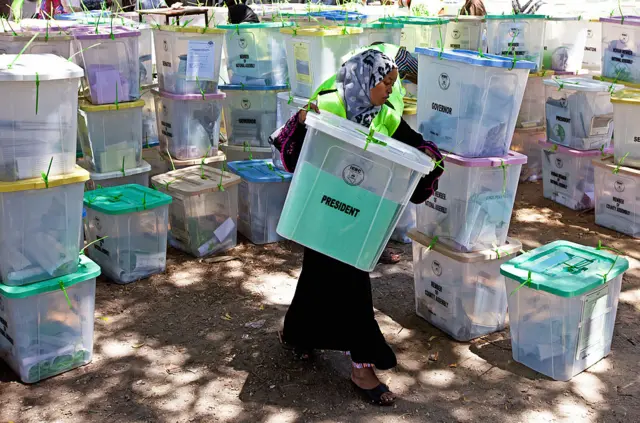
x: 204, y: 211
x: 568, y: 176
x: 462, y: 294
x: 47, y: 330
x: 40, y: 227
x: 471, y: 210
x: 129, y: 224
x: 251, y: 114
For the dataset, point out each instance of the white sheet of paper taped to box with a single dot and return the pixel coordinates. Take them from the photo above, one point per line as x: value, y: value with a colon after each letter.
x: 225, y: 229
x: 200, y: 60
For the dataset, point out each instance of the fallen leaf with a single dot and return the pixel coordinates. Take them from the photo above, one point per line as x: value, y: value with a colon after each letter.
x: 138, y: 345
x: 227, y: 316
x: 103, y: 318
x: 434, y: 356
x: 453, y: 365
x: 432, y: 338
x: 261, y: 307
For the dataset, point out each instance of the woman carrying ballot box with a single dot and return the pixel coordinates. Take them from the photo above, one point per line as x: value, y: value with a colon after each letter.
x: 333, y: 306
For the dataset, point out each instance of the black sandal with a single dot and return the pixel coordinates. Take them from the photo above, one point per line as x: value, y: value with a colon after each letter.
x: 299, y: 354
x: 375, y: 395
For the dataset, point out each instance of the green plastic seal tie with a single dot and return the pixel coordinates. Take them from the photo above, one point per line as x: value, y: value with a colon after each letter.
x: 122, y: 169
x: 290, y: 98
x: 144, y: 201
x: 619, y: 165
x: 37, y: 91
x: 45, y: 176
x: 433, y: 242
x: 202, y: 175
x: 601, y: 247
x: 81, y: 253
x: 554, y: 148
x: 64, y: 290
x: 504, y: 166
x: 271, y: 168
x: 220, y: 187
x: 496, y: 249
x: 526, y: 282
x: 200, y: 87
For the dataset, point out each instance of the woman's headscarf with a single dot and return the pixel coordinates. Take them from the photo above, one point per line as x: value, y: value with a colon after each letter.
x: 356, y: 78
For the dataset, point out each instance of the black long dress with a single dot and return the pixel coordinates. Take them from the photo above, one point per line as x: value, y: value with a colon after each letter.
x: 332, y: 308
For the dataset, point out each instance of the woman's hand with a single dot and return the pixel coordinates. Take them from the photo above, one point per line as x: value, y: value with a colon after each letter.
x: 302, y: 115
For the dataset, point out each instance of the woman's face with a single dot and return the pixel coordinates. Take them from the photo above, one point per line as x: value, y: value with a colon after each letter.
x: 381, y: 92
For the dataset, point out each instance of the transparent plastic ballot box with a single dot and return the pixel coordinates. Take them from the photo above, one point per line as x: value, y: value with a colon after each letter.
x: 527, y: 141
x: 40, y: 222
x: 111, y: 135
x: 465, y: 32
x: 314, y: 54
x: 189, y: 124
x: 626, y: 105
x: 214, y: 158
x: 256, y: 53
x: 531, y: 114
x: 149, y: 124
x: 564, y: 43
x: 568, y: 175
x: 621, y: 48
x: 237, y: 153
x: 48, y: 325
x: 592, y: 60
x: 468, y: 102
x: 462, y: 294
x: 563, y: 299
x: 471, y: 209
x: 137, y: 175
x: 261, y: 196
x: 349, y: 189
x: 379, y: 32
x: 519, y: 37
x: 130, y: 224
x: 579, y: 112
x: 250, y: 114
x: 203, y: 215
x: 288, y: 106
x: 617, y: 197
x: 420, y: 31
x: 38, y: 132
x: 48, y: 41
x: 111, y: 62
x: 188, y: 58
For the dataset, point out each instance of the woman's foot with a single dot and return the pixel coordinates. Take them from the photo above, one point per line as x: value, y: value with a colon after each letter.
x: 368, y: 382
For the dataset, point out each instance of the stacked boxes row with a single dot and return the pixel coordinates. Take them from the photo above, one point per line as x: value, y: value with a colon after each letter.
x: 468, y: 105
x: 47, y: 289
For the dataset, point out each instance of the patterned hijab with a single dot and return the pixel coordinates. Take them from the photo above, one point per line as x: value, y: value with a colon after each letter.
x: 356, y: 78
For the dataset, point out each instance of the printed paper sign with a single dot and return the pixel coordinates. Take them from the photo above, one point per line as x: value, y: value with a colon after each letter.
x: 200, y: 60
x: 593, y: 327
x: 303, y: 66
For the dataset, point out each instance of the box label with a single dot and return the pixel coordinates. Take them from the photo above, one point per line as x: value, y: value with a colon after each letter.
x: 302, y: 59
x: 593, y: 326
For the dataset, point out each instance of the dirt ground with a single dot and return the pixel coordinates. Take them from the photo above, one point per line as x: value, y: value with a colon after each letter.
x: 178, y: 348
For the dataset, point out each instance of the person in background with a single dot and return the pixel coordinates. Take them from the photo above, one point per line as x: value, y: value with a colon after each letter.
x: 473, y: 8
x: 333, y: 307
x: 240, y: 13
x: 48, y: 9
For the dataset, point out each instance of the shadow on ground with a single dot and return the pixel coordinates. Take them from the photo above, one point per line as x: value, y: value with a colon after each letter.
x: 190, y: 346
